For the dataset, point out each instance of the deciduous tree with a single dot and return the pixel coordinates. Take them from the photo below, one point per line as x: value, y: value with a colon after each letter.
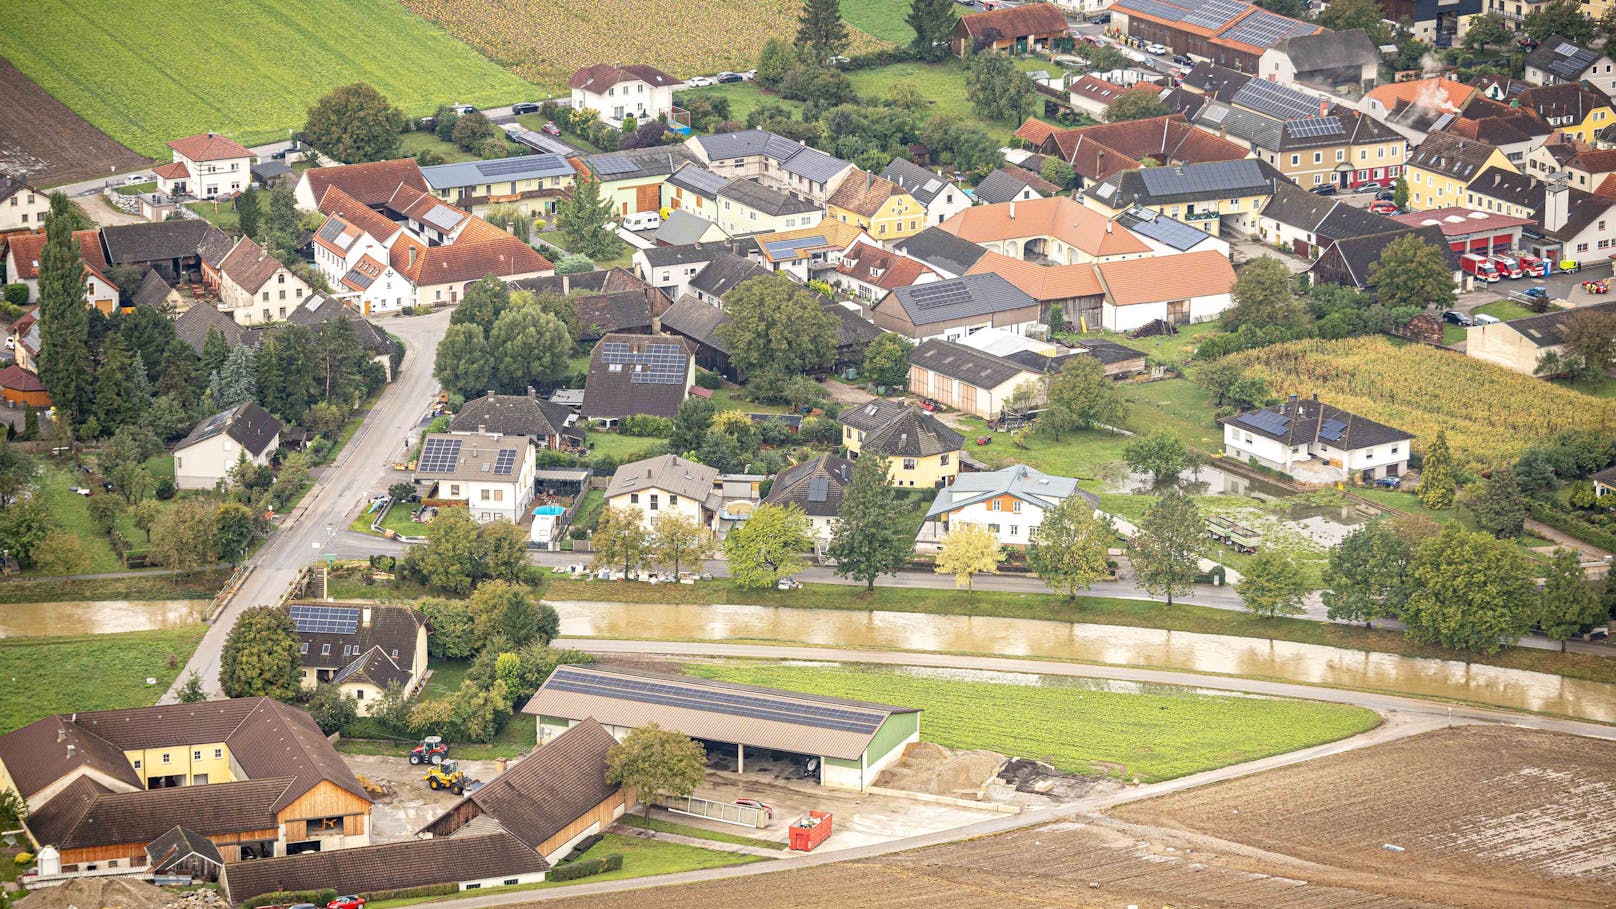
x: 1262, y: 296
x: 332, y: 709
x: 446, y: 562
x: 1412, y: 272
x: 680, y: 542
x: 774, y: 61
x: 1160, y: 454
x: 886, y: 359
x: 1070, y: 546
x: 967, y: 551
x: 1080, y: 396
x: 1559, y: 18
x: 1367, y: 575
x: 183, y: 538
x: 1271, y: 585
x: 866, y: 542
x: 355, y: 124
x: 777, y: 325
x: 528, y: 346
x: 60, y: 553
x: 464, y: 365
x: 656, y: 762
x: 768, y: 547
x: 1590, y: 342
x: 1568, y: 603
x: 1485, y: 29
x: 1470, y: 592
x: 690, y: 424
x: 260, y: 657
x: 454, y: 629
x: 997, y: 88
x: 619, y: 540
x: 502, y: 610
x: 1166, y: 549
x: 235, y: 532
x: 1135, y: 104
x: 1437, y: 478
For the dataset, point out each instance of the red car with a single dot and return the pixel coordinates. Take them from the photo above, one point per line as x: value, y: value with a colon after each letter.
x: 1382, y: 207
x: 768, y: 810
x: 346, y: 902
x: 550, y: 129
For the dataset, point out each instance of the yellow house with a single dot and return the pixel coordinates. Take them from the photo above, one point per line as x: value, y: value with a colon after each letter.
x: 923, y: 451
x: 881, y: 207
x: 1570, y: 108
x: 632, y: 180
x: 1206, y: 196
x: 1441, y: 168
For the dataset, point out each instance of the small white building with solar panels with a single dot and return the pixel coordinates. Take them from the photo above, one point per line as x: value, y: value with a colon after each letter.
x: 1310, y: 438
x: 841, y: 743
x: 492, y: 474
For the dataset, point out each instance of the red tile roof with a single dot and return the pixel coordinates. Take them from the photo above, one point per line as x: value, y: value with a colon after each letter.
x: 248, y: 265
x: 601, y: 76
x: 1060, y: 217
x: 209, y: 147
x: 27, y: 248
x: 337, y: 202
x: 16, y: 378
x: 1164, y: 279
x: 372, y: 184
x: 1041, y: 282
x: 895, y: 270
x: 433, y: 265
x: 1097, y: 152
x: 1016, y: 21
x: 174, y: 171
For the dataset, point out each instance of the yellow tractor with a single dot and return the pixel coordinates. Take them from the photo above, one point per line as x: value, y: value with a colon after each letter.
x: 448, y: 775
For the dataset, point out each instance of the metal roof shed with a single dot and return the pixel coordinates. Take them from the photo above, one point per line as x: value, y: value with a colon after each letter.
x: 855, y: 740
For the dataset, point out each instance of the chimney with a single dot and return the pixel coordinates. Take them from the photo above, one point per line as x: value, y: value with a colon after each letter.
x: 61, y: 735
x: 532, y: 392
x: 364, y: 617
x: 1324, y: 108
x: 648, y: 473
x: 72, y: 749
x: 1012, y: 209
x: 1556, y: 204
x: 482, y: 429
x: 412, y: 256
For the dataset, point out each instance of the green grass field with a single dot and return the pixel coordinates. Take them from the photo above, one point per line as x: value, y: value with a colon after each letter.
x: 1159, y: 734
x: 201, y: 585
x: 71, y: 512
x: 92, y: 672
x: 147, y: 71
x: 1508, y: 310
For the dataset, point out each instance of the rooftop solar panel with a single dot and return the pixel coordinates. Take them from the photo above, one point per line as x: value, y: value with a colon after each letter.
x: 818, y: 489
x: 439, y: 456
x: 1265, y: 29
x: 1332, y: 429
x: 1275, y: 100
x: 519, y: 164
x: 1216, y: 13
x: 324, y: 619
x: 1268, y: 421
x: 649, y: 364
x: 779, y: 248
x: 611, y: 165
x: 941, y: 293
x: 1314, y: 127
x: 1155, y: 8
x: 505, y: 461
x: 732, y: 703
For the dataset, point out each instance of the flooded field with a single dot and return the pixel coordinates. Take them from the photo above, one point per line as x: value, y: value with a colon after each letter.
x: 97, y: 616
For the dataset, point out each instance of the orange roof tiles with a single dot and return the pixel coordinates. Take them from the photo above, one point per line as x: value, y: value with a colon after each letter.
x: 863, y: 193
x: 372, y: 184
x: 1041, y: 282
x: 1060, y: 217
x: 209, y: 147
x: 1166, y: 278
x: 337, y: 202
x: 895, y: 270
x: 248, y: 265
x: 173, y: 171
x: 1097, y: 152
x: 460, y: 262
x: 27, y: 248
x: 1437, y: 92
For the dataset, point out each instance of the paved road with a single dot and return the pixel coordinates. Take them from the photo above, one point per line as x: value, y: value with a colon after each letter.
x: 1404, y: 717
x: 360, y: 470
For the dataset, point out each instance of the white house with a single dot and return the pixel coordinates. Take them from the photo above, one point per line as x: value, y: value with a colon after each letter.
x: 218, y: 443
x: 364, y: 651
x: 21, y: 206
x: 1193, y: 287
x: 254, y: 287
x: 492, y: 474
x: 941, y: 198
x: 23, y: 255
x: 666, y: 484
x: 1009, y: 502
x: 206, y: 166
x: 638, y: 91
x: 816, y: 487
x: 1302, y: 436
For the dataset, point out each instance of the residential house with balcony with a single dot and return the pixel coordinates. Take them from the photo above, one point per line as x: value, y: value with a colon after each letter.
x: 632, y: 179
x: 255, y: 288
x: 492, y: 474
x: 923, y: 451
x: 1440, y: 168
x: 618, y: 92
x: 936, y: 193
x: 532, y: 184
x: 1212, y: 197
x: 773, y: 160
x: 207, y: 166
x: 1010, y: 503
x: 664, y: 485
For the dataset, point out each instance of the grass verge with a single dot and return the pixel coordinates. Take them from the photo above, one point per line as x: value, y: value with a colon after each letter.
x: 719, y: 836
x: 89, y: 672
x: 156, y: 587
x: 1157, y: 734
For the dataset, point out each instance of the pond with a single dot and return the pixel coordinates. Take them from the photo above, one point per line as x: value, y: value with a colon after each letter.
x: 1119, y: 645
x: 97, y: 616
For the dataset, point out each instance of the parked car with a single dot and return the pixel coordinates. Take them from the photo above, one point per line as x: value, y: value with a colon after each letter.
x: 550, y: 129
x: 1157, y: 49
x: 1323, y: 189
x: 1390, y: 482
x: 134, y: 179
x: 728, y: 77
x: 464, y: 109
x: 1382, y: 207
x: 1569, y: 266
x: 768, y: 810
x: 749, y: 75
x: 347, y: 902
x: 1183, y: 60
x: 11, y: 344
x: 512, y: 130
x: 1385, y: 195
x: 1455, y: 317
x: 1484, y: 319
x: 1102, y: 19
x: 700, y: 81
x: 524, y: 107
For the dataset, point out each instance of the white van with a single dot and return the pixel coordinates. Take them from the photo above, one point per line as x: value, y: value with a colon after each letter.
x: 1484, y: 319
x: 642, y: 220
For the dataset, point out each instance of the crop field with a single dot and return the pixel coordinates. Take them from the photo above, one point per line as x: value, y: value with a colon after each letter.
x: 43, y: 138
x: 147, y: 71
x: 1530, y: 816
x: 1160, y: 733
x: 1490, y: 413
x: 546, y: 40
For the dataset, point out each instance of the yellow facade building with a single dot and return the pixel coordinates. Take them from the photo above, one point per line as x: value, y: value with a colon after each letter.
x: 923, y: 451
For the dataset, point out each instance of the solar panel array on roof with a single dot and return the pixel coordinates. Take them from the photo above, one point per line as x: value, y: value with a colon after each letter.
x: 611, y: 165
x: 940, y: 293
x: 332, y: 231
x: 1155, y: 8
x: 780, y: 147
x: 1331, y: 430
x: 1172, y: 232
x: 781, y: 248
x: 732, y: 703
x: 505, y: 461
x: 701, y: 180
x: 324, y: 619
x: 1211, y: 177
x: 1216, y: 13
x: 1266, y: 420
x: 653, y: 364
x: 818, y: 489
x: 1571, y: 61
x: 1313, y: 127
x: 1275, y: 100
x: 443, y: 217
x: 518, y: 164
x: 1265, y: 29
x: 440, y: 456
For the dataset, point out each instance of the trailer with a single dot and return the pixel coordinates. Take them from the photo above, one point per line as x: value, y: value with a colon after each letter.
x: 810, y: 830
x: 1236, y: 536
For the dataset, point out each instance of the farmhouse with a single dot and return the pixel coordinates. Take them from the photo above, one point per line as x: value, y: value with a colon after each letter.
x: 666, y: 484
x: 254, y: 776
x: 632, y: 179
x: 1193, y: 287
x: 956, y: 307
x: 550, y: 800
x: 1009, y: 502
x: 923, y: 450
x: 1227, y: 32
x: 206, y: 166
x: 23, y: 253
x: 969, y: 380
x: 619, y: 92
x: 550, y: 425
x: 22, y: 207
x: 1097, y: 152
x: 868, y: 272
x: 1349, y: 260
x: 815, y: 486
x: 1017, y: 29
x: 940, y: 197
x: 1520, y: 344
x: 492, y: 474
x: 636, y: 374
x: 206, y: 455
x: 363, y: 650
x: 1013, y: 184
x: 171, y: 248
x: 472, y: 862
x: 849, y: 742
x: 1057, y: 231
x: 254, y: 287
x: 1302, y: 437
x: 372, y: 183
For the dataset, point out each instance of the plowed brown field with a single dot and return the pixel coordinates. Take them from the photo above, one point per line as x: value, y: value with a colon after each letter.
x: 44, y: 140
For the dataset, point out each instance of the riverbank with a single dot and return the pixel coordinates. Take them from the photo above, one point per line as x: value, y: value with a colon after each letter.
x: 1091, y: 610
x: 198, y: 585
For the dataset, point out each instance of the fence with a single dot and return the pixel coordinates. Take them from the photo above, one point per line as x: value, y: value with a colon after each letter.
x: 739, y: 815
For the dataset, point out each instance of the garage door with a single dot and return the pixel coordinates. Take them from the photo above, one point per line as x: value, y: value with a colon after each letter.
x: 647, y: 198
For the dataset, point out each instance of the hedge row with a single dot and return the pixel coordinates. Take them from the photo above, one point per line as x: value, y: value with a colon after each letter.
x: 407, y: 893
x: 289, y: 897
x: 1575, y: 526
x: 582, y: 868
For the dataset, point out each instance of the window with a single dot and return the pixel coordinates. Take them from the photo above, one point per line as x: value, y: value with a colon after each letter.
x: 673, y: 501
x: 1318, y: 157
x: 997, y: 506
x: 325, y: 650
x: 200, y: 779
x: 634, y: 498
x: 1394, y: 449
x: 303, y: 647
x: 218, y: 753
x: 1296, y: 160
x: 993, y: 528
x: 943, y: 459
x: 499, y: 495
x: 165, y: 757
x: 325, y: 824
x: 1016, y: 506
x: 653, y: 502
x: 511, y: 881
x: 908, y: 463
x: 486, y: 495
x: 454, y: 489
x: 359, y: 694
x: 137, y: 763
x: 1015, y: 530
x: 266, y: 296
x: 196, y: 755
x: 1340, y: 155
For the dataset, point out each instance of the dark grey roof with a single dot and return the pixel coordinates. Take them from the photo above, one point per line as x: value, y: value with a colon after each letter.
x: 154, y: 242
x: 10, y: 186
x: 1109, y: 352
x: 917, y: 181
x: 1328, y: 50
x: 1565, y: 60
x: 250, y: 425
x: 214, y: 246
x: 391, y: 866
x: 1237, y: 123
x: 1346, y: 220
x: 696, y: 320
x: 1217, y: 81
x: 1356, y: 254
x: 764, y: 199
x: 565, y: 284
x: 698, y: 179
x: 319, y: 309
x: 792, y: 157
x: 635, y: 164
x: 914, y: 433
x: 1298, y: 208
x: 153, y: 290
x: 1548, y: 329
x: 1302, y: 422
x: 815, y: 486
x: 959, y: 298
x: 941, y: 250
x: 1451, y: 155
x: 180, y: 844
x: 872, y: 414
x: 682, y: 227
x: 519, y: 415
x: 724, y: 272
x: 662, y: 256
x: 612, y: 393
x: 269, y: 171
x: 1274, y: 99
x: 966, y: 364
x: 1188, y: 183
x: 1004, y: 184
x: 1582, y: 207
x: 852, y: 330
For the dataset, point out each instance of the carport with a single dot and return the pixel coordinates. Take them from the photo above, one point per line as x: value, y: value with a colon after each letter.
x: 853, y: 740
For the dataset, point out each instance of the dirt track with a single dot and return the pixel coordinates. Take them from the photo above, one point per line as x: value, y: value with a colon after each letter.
x: 44, y: 139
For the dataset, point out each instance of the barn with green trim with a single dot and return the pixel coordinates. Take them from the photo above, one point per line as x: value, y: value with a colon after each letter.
x: 840, y: 743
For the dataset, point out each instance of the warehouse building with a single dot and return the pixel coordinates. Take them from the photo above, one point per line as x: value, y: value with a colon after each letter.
x: 846, y: 744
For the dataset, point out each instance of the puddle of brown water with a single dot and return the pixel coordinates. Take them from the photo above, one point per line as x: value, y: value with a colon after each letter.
x: 97, y: 617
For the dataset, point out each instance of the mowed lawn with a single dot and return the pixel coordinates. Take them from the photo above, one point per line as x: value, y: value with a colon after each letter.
x: 1157, y: 734
x: 146, y: 71
x: 92, y: 672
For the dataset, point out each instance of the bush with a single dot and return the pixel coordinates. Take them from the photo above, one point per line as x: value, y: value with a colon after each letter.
x: 17, y: 294
x: 645, y: 425
x: 711, y: 381
x: 878, y: 58
x: 820, y: 430
x: 288, y: 897
x: 407, y: 893
x: 1575, y: 526
x: 583, y: 868
x: 165, y: 490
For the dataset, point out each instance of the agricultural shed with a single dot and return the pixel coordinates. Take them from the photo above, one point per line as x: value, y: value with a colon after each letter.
x: 852, y: 740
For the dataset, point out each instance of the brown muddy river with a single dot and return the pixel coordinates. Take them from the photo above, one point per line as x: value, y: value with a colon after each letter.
x: 1114, y: 644
x: 97, y: 617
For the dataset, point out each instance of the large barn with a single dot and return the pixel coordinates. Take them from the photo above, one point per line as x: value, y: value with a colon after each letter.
x: 853, y: 741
